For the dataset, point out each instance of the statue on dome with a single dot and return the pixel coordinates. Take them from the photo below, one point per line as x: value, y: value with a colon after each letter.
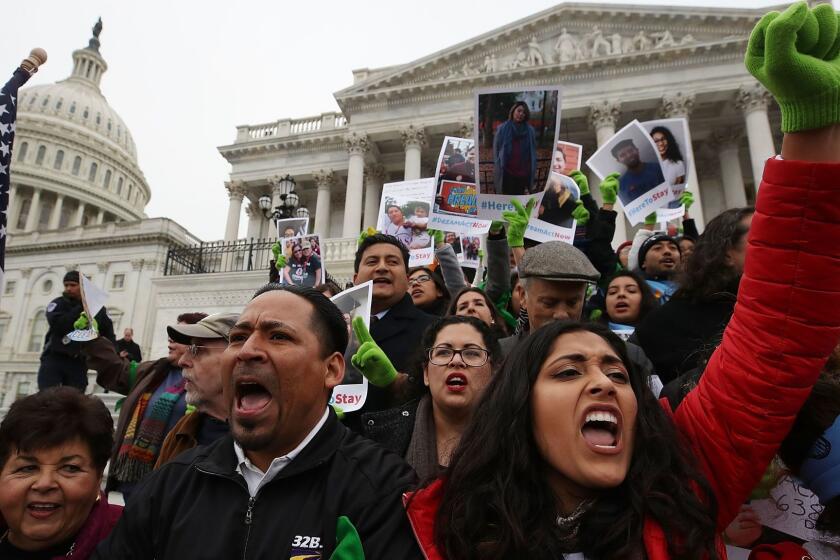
x: 97, y: 28
x: 94, y: 43
x: 641, y: 41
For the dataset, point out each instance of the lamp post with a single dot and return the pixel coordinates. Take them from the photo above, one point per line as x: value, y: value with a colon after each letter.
x: 288, y: 201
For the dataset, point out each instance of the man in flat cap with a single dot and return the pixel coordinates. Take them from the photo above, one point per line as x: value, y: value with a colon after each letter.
x: 553, y: 278
x: 640, y: 176
x: 61, y: 360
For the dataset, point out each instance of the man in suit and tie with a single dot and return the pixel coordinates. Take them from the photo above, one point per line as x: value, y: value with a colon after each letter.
x: 396, y: 325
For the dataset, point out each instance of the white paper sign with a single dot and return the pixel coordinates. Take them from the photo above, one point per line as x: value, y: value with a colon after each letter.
x: 355, y: 302
x: 551, y: 219
x: 791, y: 509
x: 93, y: 297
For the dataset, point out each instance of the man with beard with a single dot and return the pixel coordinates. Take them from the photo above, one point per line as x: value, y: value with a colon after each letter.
x: 202, y: 373
x: 659, y: 260
x: 640, y: 176
x: 290, y: 481
x: 61, y: 360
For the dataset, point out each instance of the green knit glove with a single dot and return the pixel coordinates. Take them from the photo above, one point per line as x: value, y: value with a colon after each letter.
x: 518, y: 222
x: 796, y: 55
x: 496, y: 226
x: 365, y: 234
x: 82, y: 323
x: 339, y: 412
x: 370, y: 359
x: 348, y: 545
x: 437, y: 236
x: 650, y: 219
x: 580, y: 213
x: 609, y: 188
x: 687, y: 199
x: 581, y: 180
x: 275, y: 250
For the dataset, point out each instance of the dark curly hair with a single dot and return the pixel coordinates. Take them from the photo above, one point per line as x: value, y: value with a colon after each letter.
x: 56, y: 416
x: 672, y: 153
x: 706, y: 274
x: 498, y: 504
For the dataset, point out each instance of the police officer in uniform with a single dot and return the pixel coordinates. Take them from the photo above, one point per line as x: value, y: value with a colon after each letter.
x: 61, y: 361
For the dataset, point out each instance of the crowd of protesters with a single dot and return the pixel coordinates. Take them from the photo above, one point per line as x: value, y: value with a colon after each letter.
x: 575, y: 402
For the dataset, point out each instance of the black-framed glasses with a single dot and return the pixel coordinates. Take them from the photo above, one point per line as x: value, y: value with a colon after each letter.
x: 472, y: 357
x: 422, y: 279
x: 194, y: 349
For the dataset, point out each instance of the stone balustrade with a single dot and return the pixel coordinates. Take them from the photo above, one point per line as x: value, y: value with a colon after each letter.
x: 285, y: 128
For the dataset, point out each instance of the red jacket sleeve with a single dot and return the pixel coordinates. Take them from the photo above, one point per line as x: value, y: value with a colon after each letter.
x: 786, y: 323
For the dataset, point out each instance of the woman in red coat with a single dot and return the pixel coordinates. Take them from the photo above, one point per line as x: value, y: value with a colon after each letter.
x: 568, y: 455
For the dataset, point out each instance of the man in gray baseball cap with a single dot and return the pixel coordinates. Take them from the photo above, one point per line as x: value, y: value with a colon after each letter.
x: 202, y: 372
x: 553, y: 277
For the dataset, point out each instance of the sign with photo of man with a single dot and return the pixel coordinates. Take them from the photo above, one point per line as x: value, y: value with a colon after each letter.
x: 404, y: 213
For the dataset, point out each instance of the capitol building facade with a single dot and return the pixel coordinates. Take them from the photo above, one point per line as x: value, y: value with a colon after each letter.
x: 78, y: 194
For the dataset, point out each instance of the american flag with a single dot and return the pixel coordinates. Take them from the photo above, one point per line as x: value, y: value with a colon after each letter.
x: 8, y: 113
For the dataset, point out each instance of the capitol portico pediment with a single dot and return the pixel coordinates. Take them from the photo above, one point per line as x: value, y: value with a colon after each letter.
x: 563, y: 38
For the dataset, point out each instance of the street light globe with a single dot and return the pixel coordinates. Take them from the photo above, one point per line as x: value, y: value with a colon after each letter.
x: 302, y: 212
x: 265, y: 202
x: 292, y: 200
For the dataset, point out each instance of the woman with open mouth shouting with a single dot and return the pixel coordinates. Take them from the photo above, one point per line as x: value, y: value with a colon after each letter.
x: 460, y: 354
x: 569, y: 455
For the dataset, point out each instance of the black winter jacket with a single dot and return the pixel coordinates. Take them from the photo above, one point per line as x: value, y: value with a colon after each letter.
x: 197, y: 506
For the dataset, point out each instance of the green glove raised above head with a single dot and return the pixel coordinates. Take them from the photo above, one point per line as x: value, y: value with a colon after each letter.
x: 348, y: 544
x: 279, y: 258
x: 796, y: 56
x: 496, y: 226
x: 650, y: 219
x: 437, y: 235
x: 687, y: 199
x: 609, y: 188
x: 365, y: 234
x: 581, y: 180
x: 370, y: 359
x: 580, y: 213
x: 82, y: 323
x: 518, y: 221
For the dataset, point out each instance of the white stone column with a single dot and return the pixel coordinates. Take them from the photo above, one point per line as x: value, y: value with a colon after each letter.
x: 236, y: 192
x: 374, y: 175
x: 413, y: 138
x: 603, y: 117
x: 100, y: 216
x: 55, y: 217
x: 255, y: 220
x: 731, y: 174
x: 753, y: 101
x: 80, y: 213
x: 14, y: 208
x: 34, y: 211
x: 675, y: 106
x: 324, y: 181
x: 357, y: 145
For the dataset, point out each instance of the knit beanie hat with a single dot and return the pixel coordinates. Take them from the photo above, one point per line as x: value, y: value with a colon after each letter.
x: 653, y: 240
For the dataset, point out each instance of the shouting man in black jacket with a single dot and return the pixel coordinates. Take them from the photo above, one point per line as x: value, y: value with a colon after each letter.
x: 290, y: 473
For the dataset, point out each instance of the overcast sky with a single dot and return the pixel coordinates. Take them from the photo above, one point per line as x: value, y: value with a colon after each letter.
x: 183, y: 74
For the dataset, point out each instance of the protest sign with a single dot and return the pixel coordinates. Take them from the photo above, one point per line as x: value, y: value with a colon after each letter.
x: 351, y: 394
x: 551, y: 219
x: 672, y: 141
x: 292, y: 227
x: 304, y: 263
x: 527, y: 120
x: 455, y: 194
x: 791, y: 509
x: 93, y: 299
x: 642, y: 185
x: 470, y: 245
x: 567, y: 157
x: 404, y: 213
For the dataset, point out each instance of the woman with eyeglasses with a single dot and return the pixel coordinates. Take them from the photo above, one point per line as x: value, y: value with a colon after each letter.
x: 428, y: 291
x: 459, y: 356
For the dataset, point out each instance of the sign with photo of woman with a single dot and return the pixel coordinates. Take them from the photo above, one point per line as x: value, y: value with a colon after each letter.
x: 672, y: 141
x: 516, y: 136
x: 292, y: 227
x: 552, y: 218
x: 304, y: 265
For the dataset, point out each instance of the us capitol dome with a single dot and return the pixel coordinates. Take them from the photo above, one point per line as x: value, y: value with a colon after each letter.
x: 75, y: 162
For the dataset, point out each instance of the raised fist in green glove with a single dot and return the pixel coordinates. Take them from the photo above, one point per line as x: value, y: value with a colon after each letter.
x: 437, y: 235
x: 518, y: 222
x: 370, y: 359
x: 82, y: 323
x: 580, y: 213
x: 650, y: 219
x: 279, y: 258
x: 348, y: 544
x: 609, y: 188
x: 581, y: 180
x: 796, y: 55
x: 687, y: 199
